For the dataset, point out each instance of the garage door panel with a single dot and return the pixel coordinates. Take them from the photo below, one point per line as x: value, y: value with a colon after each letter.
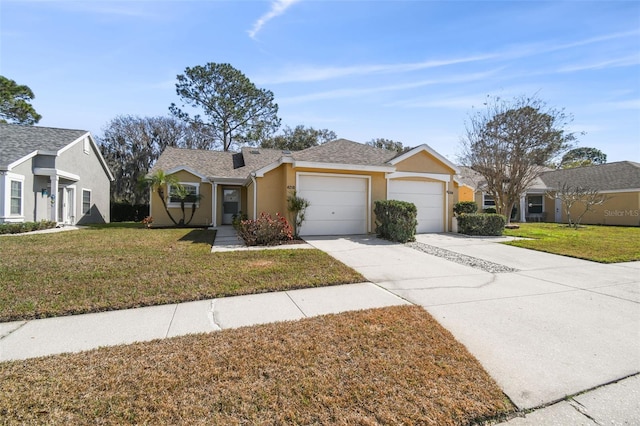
x: 334, y: 213
x: 428, y: 197
x: 337, y: 204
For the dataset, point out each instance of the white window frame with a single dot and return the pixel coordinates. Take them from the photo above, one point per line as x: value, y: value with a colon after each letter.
x: 488, y: 197
x: 20, y: 181
x: 177, y: 204
x: 5, y: 213
x: 86, y: 212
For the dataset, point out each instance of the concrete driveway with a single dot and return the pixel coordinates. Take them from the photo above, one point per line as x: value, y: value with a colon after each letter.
x: 553, y: 326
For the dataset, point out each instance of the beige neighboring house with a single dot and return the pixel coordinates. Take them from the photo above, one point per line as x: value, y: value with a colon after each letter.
x: 619, y: 181
x: 341, y: 179
x: 52, y: 174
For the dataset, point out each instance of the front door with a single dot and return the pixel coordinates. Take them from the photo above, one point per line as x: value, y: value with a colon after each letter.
x: 230, y: 204
x: 66, y: 205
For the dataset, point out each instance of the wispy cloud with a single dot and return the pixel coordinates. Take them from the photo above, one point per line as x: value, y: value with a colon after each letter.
x: 351, y: 93
x: 301, y: 74
x: 278, y: 7
x: 609, y: 63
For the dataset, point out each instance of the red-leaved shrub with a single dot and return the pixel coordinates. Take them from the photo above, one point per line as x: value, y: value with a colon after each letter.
x: 265, y: 230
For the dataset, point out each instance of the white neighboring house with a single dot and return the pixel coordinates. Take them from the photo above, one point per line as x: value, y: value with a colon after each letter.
x: 52, y: 174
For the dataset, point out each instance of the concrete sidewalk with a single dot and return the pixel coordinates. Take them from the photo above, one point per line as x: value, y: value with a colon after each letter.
x: 551, y: 328
x: 49, y: 336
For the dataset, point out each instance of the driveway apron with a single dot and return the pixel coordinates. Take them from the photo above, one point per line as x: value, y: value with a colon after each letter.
x: 548, y: 327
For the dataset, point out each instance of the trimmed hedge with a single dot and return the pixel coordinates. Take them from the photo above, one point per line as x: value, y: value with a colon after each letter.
x: 19, y: 228
x: 124, y: 212
x: 396, y: 220
x: 465, y: 207
x: 487, y: 224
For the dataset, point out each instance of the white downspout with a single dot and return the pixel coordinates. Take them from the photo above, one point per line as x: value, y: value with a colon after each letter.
x: 446, y: 207
x: 255, y: 195
x: 214, y: 203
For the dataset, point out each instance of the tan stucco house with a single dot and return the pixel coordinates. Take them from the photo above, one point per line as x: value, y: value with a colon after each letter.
x: 52, y: 174
x: 341, y: 179
x: 619, y: 181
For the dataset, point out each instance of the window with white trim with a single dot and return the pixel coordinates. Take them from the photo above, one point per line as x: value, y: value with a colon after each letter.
x: 488, y: 201
x: 190, y: 193
x: 16, y: 198
x: 86, y: 201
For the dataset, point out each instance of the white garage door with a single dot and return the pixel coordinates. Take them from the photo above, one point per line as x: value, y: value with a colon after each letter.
x: 338, y: 205
x: 428, y: 198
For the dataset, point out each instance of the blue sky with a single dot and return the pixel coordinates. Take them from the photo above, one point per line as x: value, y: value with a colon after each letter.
x: 404, y: 70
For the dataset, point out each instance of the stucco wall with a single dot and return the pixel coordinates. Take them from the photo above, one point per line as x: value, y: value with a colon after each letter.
x: 203, y: 215
x: 425, y: 163
x: 93, y: 177
x: 623, y: 208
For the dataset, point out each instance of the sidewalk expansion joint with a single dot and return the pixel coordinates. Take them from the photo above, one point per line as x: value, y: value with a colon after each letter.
x: 294, y: 302
x: 582, y: 410
x: 173, y: 316
x: 9, y: 333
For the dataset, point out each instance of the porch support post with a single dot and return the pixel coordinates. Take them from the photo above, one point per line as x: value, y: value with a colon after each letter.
x: 55, y: 197
x: 214, y: 203
x: 523, y: 210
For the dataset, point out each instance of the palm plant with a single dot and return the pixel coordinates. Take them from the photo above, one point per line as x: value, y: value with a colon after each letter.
x: 158, y: 181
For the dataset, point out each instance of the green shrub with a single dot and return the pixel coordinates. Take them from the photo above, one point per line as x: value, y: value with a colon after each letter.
x: 491, y: 210
x: 237, y: 218
x: 265, y: 230
x: 465, y: 207
x: 481, y: 224
x: 396, y: 220
x: 19, y: 228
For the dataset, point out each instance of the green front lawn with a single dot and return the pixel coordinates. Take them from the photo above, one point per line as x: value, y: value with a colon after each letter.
x: 606, y: 244
x: 124, y: 266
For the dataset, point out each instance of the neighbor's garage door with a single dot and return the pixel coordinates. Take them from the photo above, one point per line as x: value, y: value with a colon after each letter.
x: 428, y: 198
x: 337, y: 205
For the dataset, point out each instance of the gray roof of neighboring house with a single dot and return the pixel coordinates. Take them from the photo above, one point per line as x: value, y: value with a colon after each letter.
x: 17, y: 141
x: 343, y: 151
x: 604, y: 177
x: 620, y: 175
x: 240, y: 165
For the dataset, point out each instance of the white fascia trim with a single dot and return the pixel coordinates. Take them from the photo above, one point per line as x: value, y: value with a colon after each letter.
x: 612, y: 191
x: 227, y: 180
x: 203, y: 178
x: 337, y: 166
x: 435, y: 176
x: 261, y: 171
x: 45, y: 171
x: 22, y: 160
x: 429, y: 150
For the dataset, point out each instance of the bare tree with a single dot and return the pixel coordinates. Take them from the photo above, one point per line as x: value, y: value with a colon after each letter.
x: 574, y: 195
x: 509, y: 142
x: 131, y: 145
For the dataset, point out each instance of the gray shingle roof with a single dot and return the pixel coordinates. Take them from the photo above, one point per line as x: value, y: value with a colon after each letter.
x: 604, y: 177
x: 221, y: 164
x: 18, y: 141
x: 343, y: 151
x: 216, y: 163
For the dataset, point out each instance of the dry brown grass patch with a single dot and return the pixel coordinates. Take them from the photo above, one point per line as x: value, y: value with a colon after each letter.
x: 384, y: 366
